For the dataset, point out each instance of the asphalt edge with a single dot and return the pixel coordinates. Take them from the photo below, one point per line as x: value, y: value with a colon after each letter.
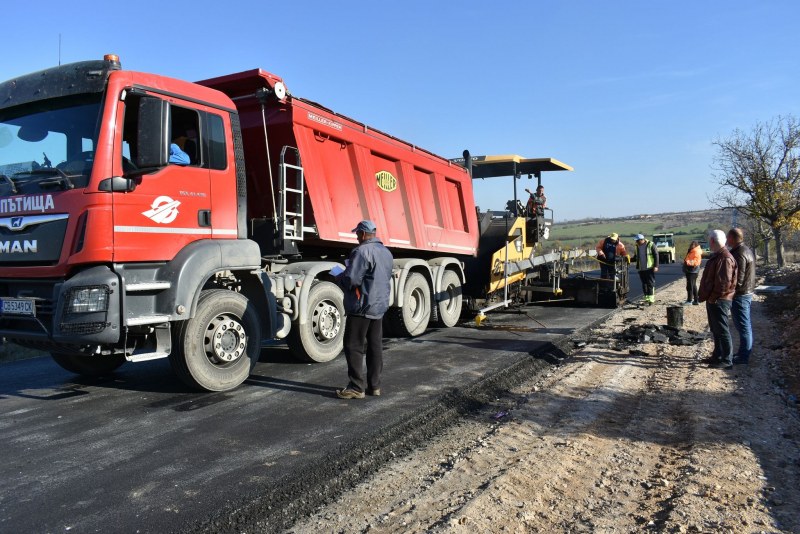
x: 299, y: 495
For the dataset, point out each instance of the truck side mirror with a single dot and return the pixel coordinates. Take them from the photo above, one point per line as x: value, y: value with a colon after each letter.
x: 152, y: 133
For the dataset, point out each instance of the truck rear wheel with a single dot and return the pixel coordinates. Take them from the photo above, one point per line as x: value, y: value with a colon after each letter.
x: 217, y: 348
x: 321, y: 338
x: 413, y: 318
x: 449, y: 306
x: 81, y: 364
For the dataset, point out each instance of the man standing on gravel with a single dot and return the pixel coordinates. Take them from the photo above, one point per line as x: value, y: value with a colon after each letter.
x: 717, y: 288
x: 745, y: 284
x: 646, y: 258
x: 366, y: 283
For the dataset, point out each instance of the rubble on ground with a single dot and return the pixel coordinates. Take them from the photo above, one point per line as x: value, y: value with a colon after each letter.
x: 637, y: 334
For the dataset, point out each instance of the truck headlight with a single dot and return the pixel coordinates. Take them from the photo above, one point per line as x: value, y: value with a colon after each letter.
x: 88, y: 299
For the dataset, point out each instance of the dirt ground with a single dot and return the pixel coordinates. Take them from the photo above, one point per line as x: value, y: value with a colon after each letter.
x: 618, y: 438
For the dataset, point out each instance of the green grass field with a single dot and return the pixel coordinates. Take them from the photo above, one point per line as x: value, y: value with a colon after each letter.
x: 586, y: 235
x: 626, y: 230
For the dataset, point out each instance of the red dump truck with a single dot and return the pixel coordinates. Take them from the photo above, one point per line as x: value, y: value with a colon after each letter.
x: 109, y: 253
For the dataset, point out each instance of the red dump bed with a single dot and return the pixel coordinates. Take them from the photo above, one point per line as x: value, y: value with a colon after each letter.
x: 419, y: 201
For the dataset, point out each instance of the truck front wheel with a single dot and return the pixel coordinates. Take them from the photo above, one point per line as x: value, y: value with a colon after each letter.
x: 89, y: 365
x: 321, y: 337
x: 217, y: 348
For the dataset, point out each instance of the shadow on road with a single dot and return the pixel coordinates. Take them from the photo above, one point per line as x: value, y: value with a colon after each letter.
x: 291, y: 385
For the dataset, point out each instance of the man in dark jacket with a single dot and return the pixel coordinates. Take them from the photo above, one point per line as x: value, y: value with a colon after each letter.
x: 745, y: 285
x: 366, y: 283
x: 717, y: 287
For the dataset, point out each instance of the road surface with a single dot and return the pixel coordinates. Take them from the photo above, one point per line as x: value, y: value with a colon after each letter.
x: 140, y: 452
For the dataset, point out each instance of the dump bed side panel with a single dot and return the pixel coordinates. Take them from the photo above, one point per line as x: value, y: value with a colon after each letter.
x: 417, y: 200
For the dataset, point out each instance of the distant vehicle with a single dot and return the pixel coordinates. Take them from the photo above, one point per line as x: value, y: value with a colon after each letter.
x: 705, y: 248
x: 665, y: 246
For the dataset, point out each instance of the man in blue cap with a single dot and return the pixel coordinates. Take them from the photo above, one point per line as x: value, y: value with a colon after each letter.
x: 646, y: 258
x: 366, y: 283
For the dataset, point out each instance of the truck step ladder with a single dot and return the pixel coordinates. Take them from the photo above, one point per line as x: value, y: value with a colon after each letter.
x: 292, y: 214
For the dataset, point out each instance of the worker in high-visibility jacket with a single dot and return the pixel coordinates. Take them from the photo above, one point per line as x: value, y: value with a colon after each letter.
x: 646, y: 258
x: 608, y: 250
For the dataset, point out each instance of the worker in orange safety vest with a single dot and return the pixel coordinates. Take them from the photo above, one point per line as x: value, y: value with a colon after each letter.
x: 608, y: 250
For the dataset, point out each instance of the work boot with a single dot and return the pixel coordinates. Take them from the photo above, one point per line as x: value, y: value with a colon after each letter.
x: 348, y: 393
x: 374, y: 392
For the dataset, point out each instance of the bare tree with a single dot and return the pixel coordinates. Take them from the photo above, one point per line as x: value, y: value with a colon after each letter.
x: 759, y: 173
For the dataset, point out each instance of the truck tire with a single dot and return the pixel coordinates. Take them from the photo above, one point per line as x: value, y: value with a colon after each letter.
x: 413, y: 318
x: 217, y: 348
x: 449, y: 306
x: 81, y: 364
x: 321, y: 338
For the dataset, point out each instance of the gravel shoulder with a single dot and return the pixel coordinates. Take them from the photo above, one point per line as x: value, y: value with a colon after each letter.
x: 617, y: 438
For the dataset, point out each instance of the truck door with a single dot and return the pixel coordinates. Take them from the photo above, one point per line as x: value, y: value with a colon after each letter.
x: 170, y: 206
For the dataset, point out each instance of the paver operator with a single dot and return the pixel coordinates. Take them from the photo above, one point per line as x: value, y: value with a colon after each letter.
x: 537, y: 202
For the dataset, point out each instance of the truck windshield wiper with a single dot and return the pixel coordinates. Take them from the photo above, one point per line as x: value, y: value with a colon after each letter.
x: 59, y: 177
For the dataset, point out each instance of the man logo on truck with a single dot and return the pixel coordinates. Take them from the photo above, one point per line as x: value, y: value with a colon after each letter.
x: 164, y: 210
x: 19, y: 247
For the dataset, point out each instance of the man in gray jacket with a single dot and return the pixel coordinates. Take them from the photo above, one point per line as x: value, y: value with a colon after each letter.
x: 366, y: 283
x: 745, y: 285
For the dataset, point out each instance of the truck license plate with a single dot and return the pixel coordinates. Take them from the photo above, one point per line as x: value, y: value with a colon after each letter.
x: 17, y: 307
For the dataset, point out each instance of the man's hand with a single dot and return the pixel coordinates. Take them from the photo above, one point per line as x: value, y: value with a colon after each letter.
x: 655, y: 269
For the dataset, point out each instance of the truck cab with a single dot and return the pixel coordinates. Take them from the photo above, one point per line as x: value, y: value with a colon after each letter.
x: 107, y: 247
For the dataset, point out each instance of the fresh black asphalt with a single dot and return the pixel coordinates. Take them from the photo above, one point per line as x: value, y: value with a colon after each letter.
x: 140, y: 453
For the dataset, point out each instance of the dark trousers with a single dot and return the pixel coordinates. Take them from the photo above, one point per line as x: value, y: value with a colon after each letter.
x: 720, y: 328
x: 362, y: 337
x: 607, y: 270
x: 691, y: 286
x: 648, y: 278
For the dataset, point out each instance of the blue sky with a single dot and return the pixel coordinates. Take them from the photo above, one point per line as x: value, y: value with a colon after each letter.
x: 631, y: 94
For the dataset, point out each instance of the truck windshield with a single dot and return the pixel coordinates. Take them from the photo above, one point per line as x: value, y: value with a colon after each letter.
x: 48, y: 144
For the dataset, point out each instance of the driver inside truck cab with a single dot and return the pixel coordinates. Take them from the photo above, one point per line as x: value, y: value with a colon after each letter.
x: 176, y: 155
x: 183, y: 148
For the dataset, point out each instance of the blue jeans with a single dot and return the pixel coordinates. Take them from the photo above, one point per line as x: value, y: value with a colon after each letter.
x: 720, y: 330
x: 740, y: 312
